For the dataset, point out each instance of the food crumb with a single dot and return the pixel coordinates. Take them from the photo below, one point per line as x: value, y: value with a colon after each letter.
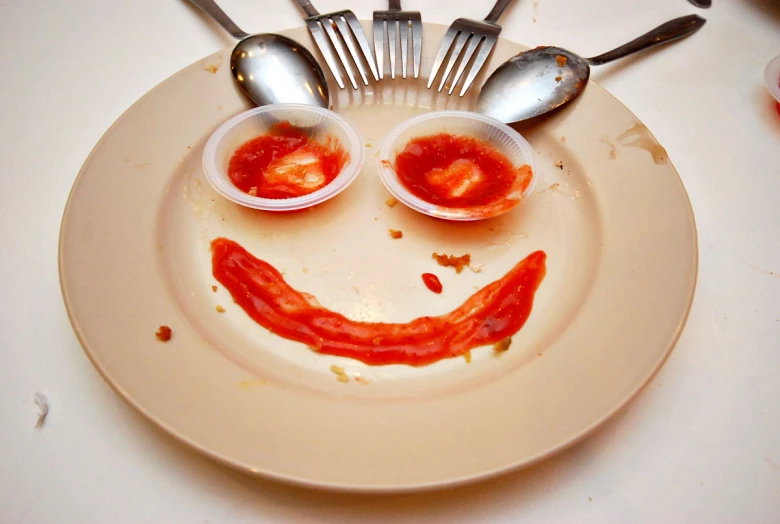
x: 452, y: 261
x: 43, y: 408
x: 563, y: 138
x: 213, y: 68
x: 590, y: 499
x: 252, y: 191
x: 561, y: 60
x: 305, y: 270
x: 214, y: 289
x: 164, y: 334
x: 553, y: 187
x: 360, y: 380
x: 246, y: 384
x: 612, y: 148
x: 558, y: 78
x: 476, y: 269
x: 467, y: 356
x: 396, y: 234
x: 341, y: 375
x: 502, y: 345
x: 368, y: 144
x: 559, y: 164
x: 220, y: 309
x: 391, y: 202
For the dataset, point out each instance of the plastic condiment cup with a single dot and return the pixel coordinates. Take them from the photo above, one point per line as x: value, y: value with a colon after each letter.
x: 508, y: 141
x: 320, y: 124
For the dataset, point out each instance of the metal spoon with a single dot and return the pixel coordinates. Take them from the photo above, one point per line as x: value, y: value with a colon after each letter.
x: 542, y: 79
x: 271, y: 69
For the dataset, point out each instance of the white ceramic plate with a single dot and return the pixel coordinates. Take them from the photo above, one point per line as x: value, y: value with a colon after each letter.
x: 614, y: 220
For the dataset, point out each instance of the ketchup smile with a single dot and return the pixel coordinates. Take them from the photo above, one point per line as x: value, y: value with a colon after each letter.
x: 490, y: 315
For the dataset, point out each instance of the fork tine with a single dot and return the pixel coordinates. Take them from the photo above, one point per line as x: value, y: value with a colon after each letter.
x: 334, y: 39
x: 446, y: 42
x: 482, y: 55
x: 403, y: 25
x: 473, y: 43
x: 459, y: 43
x: 362, y: 41
x: 379, y: 45
x: 324, y: 47
x: 417, y: 44
x: 392, y: 43
x: 345, y: 34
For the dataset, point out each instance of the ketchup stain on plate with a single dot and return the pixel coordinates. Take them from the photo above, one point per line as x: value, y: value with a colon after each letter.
x: 285, y: 163
x: 458, y: 171
x: 493, y: 313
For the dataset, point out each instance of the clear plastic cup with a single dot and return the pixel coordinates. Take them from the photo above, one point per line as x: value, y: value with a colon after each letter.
x: 320, y: 124
x: 501, y: 136
x: 772, y: 77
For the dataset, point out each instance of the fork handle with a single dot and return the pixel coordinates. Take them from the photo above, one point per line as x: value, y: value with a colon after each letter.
x: 497, y: 10
x: 307, y: 8
x: 395, y: 5
x: 218, y: 15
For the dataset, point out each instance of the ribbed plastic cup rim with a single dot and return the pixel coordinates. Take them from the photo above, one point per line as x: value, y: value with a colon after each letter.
x: 772, y: 77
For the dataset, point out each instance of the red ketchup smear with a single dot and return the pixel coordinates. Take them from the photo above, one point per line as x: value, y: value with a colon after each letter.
x: 432, y: 282
x: 493, y: 313
x: 285, y: 163
x: 458, y: 171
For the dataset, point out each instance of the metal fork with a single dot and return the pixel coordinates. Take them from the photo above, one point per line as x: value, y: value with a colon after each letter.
x: 341, y: 21
x: 475, y: 32
x: 407, y: 20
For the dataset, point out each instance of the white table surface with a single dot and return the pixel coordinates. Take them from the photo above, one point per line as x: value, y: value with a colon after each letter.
x: 700, y: 444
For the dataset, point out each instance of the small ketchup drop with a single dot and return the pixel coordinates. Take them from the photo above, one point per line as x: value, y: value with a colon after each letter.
x: 432, y: 282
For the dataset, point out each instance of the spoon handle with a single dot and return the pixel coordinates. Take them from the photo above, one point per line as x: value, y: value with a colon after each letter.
x: 497, y: 10
x: 307, y: 8
x: 218, y: 15
x: 672, y: 30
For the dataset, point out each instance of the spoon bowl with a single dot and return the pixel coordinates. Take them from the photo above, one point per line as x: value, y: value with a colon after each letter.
x: 533, y: 83
x: 274, y: 69
x: 271, y: 69
x: 542, y: 79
